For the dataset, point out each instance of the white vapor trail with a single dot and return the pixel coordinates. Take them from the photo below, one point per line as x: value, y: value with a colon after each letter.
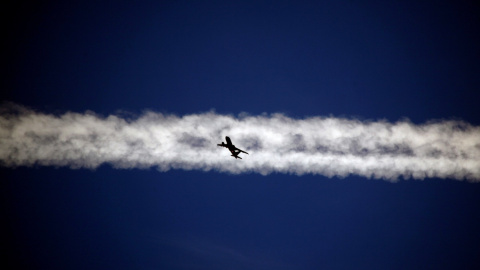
x: 318, y: 145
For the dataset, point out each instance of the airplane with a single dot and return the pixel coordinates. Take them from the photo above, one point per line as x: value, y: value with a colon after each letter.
x: 234, y: 150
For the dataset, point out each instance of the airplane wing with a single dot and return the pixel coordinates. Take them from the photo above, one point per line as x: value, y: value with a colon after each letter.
x: 241, y: 151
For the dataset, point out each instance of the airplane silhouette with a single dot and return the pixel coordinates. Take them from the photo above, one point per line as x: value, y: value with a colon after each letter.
x: 234, y: 150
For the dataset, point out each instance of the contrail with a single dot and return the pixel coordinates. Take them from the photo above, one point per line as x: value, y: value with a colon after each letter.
x: 327, y: 146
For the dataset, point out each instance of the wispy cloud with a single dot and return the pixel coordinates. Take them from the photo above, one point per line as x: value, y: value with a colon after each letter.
x: 204, y: 253
x: 327, y: 146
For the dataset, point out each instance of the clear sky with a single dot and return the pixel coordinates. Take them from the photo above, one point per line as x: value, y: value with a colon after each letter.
x: 367, y: 60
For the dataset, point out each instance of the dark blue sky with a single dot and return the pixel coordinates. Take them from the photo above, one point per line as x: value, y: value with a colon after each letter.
x: 370, y: 60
